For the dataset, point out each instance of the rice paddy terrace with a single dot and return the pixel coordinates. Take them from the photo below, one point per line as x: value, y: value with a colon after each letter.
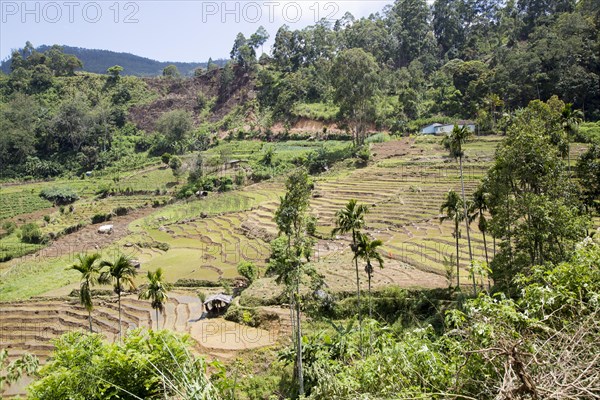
x: 404, y: 187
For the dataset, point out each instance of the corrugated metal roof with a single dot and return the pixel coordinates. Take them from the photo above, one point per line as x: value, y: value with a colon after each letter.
x: 221, y: 297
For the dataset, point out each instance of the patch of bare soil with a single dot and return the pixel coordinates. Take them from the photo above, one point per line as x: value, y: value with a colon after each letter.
x: 33, y: 216
x: 182, y: 94
x: 391, y: 149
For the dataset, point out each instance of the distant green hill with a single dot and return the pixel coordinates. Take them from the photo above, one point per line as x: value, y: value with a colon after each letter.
x: 99, y: 61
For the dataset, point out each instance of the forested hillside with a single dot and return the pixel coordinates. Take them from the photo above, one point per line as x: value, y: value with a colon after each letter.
x: 396, y: 70
x: 98, y: 61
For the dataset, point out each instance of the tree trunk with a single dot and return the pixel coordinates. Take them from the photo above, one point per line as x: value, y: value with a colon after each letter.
x: 457, y: 256
x: 119, y: 299
x: 157, y: 327
x: 90, y: 319
x: 464, y: 199
x: 370, y: 317
x: 370, y: 299
x: 299, y: 341
x: 357, y: 292
x: 487, y: 261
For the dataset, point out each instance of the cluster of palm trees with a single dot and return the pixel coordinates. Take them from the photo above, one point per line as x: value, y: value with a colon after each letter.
x: 458, y: 209
x: 119, y: 273
x: 351, y: 219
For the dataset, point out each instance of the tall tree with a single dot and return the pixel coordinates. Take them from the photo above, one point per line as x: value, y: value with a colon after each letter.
x: 453, y: 211
x: 534, y: 207
x: 352, y: 219
x: 118, y: 272
x: 89, y: 268
x: 290, y: 265
x: 478, y: 209
x: 259, y: 38
x: 355, y: 74
x: 409, y: 23
x: 156, y: 292
x: 454, y: 143
x: 368, y: 251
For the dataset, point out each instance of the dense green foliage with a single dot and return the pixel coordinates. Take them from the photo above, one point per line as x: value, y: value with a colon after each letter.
x: 534, y: 204
x: 148, y: 365
x: 59, y: 196
x: 492, y: 346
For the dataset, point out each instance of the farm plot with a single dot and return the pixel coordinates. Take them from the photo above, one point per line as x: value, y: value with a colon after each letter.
x: 21, y: 202
x: 205, y: 248
x: 404, y: 194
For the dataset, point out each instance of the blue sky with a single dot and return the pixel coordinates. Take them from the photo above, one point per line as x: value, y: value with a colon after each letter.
x: 162, y: 30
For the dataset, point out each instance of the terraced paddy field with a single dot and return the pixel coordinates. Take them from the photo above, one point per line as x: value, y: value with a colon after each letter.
x: 206, y: 239
x: 29, y: 326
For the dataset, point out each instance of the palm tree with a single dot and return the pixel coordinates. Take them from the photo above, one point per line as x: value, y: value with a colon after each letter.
x: 89, y: 270
x: 156, y: 291
x: 570, y: 121
x: 351, y: 219
x: 118, y: 271
x: 454, y: 143
x: 367, y: 250
x: 478, y: 208
x: 452, y: 207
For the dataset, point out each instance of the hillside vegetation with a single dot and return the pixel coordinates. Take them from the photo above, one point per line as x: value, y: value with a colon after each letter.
x: 364, y: 260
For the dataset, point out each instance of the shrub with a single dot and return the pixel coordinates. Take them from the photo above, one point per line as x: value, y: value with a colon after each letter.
x: 194, y: 283
x: 378, y: 138
x: 166, y: 158
x: 31, y: 233
x: 120, y: 211
x: 248, y: 270
x: 59, y: 196
x: 156, y: 245
x: 101, y: 217
x: 9, y: 227
x: 364, y: 155
x: 249, y: 316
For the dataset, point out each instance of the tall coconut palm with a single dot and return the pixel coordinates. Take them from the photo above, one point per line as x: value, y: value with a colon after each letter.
x: 452, y: 208
x: 368, y: 251
x: 90, y: 270
x: 352, y: 219
x: 118, y: 272
x: 156, y: 291
x: 454, y: 143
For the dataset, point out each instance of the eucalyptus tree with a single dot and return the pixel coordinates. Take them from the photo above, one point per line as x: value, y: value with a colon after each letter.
x: 355, y: 74
x: 156, y: 292
x: 118, y: 272
x: 89, y: 267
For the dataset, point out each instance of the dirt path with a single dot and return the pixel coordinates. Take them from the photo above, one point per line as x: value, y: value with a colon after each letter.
x: 87, y: 239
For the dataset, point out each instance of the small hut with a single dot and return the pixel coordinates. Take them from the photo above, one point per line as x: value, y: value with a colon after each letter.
x: 217, y: 304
